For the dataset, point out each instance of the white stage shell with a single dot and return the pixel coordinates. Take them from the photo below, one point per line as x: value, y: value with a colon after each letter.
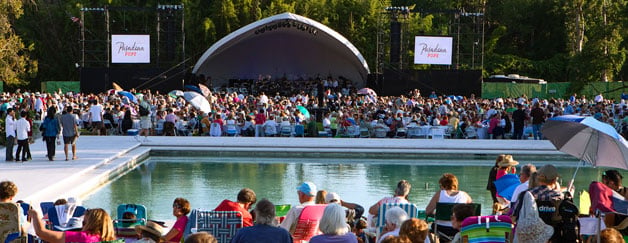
x: 287, y: 45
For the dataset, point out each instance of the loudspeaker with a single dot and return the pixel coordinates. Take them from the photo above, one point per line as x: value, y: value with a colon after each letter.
x: 395, y: 42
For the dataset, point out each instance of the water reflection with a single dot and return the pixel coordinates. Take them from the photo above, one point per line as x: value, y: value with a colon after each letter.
x: 205, y: 183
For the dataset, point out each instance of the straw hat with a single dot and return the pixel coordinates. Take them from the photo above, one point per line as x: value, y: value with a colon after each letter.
x: 507, y: 161
x: 151, y: 228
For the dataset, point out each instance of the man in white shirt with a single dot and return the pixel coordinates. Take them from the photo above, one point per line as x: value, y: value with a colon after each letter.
x: 524, y: 177
x: 307, y: 193
x: 95, y: 116
x: 22, y: 128
x: 9, y: 127
x: 598, y: 98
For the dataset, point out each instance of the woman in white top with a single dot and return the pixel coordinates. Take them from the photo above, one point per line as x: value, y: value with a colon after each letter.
x: 449, y: 193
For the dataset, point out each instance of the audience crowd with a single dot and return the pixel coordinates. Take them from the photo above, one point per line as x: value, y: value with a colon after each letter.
x: 322, y: 216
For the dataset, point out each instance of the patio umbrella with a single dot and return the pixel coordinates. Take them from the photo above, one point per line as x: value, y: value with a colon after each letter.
x: 588, y: 139
x: 204, y: 90
x: 367, y: 91
x: 129, y: 95
x: 175, y: 93
x: 197, y: 100
x: 304, y: 111
x: 506, y: 185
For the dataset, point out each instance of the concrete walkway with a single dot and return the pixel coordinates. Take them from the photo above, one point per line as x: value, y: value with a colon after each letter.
x: 102, y: 159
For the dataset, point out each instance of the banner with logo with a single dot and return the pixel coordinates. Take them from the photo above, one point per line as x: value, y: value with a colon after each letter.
x: 130, y: 48
x: 433, y: 50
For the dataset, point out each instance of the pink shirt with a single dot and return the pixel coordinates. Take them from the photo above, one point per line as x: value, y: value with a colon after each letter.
x: 180, y: 226
x: 81, y: 236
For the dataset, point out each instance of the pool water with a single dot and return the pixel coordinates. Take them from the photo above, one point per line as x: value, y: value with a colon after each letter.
x: 206, y: 181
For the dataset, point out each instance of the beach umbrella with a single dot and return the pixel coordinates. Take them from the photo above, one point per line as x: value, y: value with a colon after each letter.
x: 367, y: 91
x: 117, y: 87
x: 506, y: 185
x: 175, y: 93
x: 129, y: 95
x: 193, y: 88
x: 587, y: 139
x: 304, y: 111
x: 197, y: 100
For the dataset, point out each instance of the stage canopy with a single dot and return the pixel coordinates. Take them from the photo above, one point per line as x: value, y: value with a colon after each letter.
x: 287, y: 45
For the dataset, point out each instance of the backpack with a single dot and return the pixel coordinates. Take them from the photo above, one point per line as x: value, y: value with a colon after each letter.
x: 563, y: 217
x: 144, y: 111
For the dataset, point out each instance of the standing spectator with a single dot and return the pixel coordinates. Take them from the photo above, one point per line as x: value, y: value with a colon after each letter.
x: 9, y: 127
x: 22, y: 128
x: 70, y: 132
x: 95, y: 116
x: 538, y: 118
x: 145, y: 122
x: 265, y: 229
x: 50, y: 127
x: 519, y: 117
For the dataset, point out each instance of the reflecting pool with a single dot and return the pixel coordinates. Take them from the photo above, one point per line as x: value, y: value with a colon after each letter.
x: 205, y: 182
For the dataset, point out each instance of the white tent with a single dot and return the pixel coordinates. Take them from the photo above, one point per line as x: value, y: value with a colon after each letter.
x: 284, y: 45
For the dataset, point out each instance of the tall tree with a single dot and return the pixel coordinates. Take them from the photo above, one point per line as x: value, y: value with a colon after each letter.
x: 15, y: 63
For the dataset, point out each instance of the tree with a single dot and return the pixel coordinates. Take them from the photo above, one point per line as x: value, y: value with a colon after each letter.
x: 15, y: 63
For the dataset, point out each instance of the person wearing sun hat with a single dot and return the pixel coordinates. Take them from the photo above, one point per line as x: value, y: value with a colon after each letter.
x: 151, y: 232
x: 307, y: 193
x: 530, y: 227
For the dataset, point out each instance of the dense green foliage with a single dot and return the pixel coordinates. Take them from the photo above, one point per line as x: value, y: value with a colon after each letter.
x: 577, y: 41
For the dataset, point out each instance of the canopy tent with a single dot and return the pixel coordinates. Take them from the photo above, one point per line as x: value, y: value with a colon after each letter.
x: 284, y: 45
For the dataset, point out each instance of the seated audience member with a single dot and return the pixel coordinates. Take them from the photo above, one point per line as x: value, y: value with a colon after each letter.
x: 354, y: 211
x: 400, y: 196
x: 460, y: 212
x: 611, y: 235
x: 180, y: 209
x: 605, y: 199
x: 306, y: 192
x: 129, y: 219
x: 201, y: 237
x: 97, y: 227
x: 320, y: 197
x: 395, y: 216
x: 524, y: 178
x: 150, y: 233
x: 613, y: 180
x: 265, y: 229
x: 334, y: 227
x: 414, y: 230
x: 246, y: 198
x: 8, y: 190
x: 548, y: 189
x: 448, y: 193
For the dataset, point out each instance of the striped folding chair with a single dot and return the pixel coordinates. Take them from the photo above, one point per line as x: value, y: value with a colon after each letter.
x: 411, y: 209
x: 223, y: 225
x: 493, y: 228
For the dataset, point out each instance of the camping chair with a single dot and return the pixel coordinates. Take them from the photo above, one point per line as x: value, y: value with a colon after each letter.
x: 159, y: 128
x: 299, y: 130
x: 444, y: 212
x: 380, y: 132
x: 437, y: 133
x: 10, y: 223
x: 285, y: 131
x: 58, y: 221
x: 411, y: 209
x: 365, y: 133
x: 126, y: 227
x: 215, y: 130
x: 470, y: 132
x: 493, y: 228
x: 414, y: 132
x: 307, y: 225
x: 223, y: 225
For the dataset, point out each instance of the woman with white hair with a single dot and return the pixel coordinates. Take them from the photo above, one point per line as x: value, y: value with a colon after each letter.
x: 395, y: 217
x: 334, y: 227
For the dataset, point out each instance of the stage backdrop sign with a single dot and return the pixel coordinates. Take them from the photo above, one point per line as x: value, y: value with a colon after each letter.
x: 130, y: 48
x: 433, y: 50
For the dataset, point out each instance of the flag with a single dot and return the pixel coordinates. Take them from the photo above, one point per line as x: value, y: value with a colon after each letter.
x: 117, y: 87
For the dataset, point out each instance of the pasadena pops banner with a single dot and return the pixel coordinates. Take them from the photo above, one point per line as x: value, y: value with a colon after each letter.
x: 433, y: 50
x: 130, y: 48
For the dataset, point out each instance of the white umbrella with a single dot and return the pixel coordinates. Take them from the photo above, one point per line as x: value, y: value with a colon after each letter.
x: 197, y: 100
x: 588, y: 139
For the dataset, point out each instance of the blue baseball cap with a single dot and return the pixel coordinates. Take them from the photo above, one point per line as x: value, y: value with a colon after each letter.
x: 308, y: 188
